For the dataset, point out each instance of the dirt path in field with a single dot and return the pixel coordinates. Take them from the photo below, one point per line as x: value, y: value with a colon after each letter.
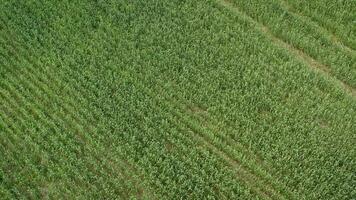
x: 298, y: 53
x: 334, y: 38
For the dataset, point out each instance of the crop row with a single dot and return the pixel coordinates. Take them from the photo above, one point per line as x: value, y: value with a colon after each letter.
x: 335, y: 16
x: 38, y: 76
x: 304, y: 35
x: 195, y: 97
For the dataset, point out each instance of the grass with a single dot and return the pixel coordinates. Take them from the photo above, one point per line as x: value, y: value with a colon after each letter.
x: 176, y: 100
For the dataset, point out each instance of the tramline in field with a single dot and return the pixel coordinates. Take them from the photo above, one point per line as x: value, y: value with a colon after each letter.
x: 218, y: 99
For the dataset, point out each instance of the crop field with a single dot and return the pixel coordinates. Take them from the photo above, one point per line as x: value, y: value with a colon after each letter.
x: 178, y: 99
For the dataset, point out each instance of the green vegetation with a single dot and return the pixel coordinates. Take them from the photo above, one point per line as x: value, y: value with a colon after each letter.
x: 338, y: 17
x: 177, y: 99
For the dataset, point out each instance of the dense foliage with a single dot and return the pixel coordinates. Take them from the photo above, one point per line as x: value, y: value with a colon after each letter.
x: 177, y: 99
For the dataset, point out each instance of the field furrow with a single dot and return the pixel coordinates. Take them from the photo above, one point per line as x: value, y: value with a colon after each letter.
x: 335, y: 16
x: 307, y: 19
x: 298, y: 53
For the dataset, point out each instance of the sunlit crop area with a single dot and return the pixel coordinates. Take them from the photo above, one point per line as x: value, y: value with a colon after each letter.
x: 178, y: 99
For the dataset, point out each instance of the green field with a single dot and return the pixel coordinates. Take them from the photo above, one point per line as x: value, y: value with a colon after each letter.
x: 178, y: 99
